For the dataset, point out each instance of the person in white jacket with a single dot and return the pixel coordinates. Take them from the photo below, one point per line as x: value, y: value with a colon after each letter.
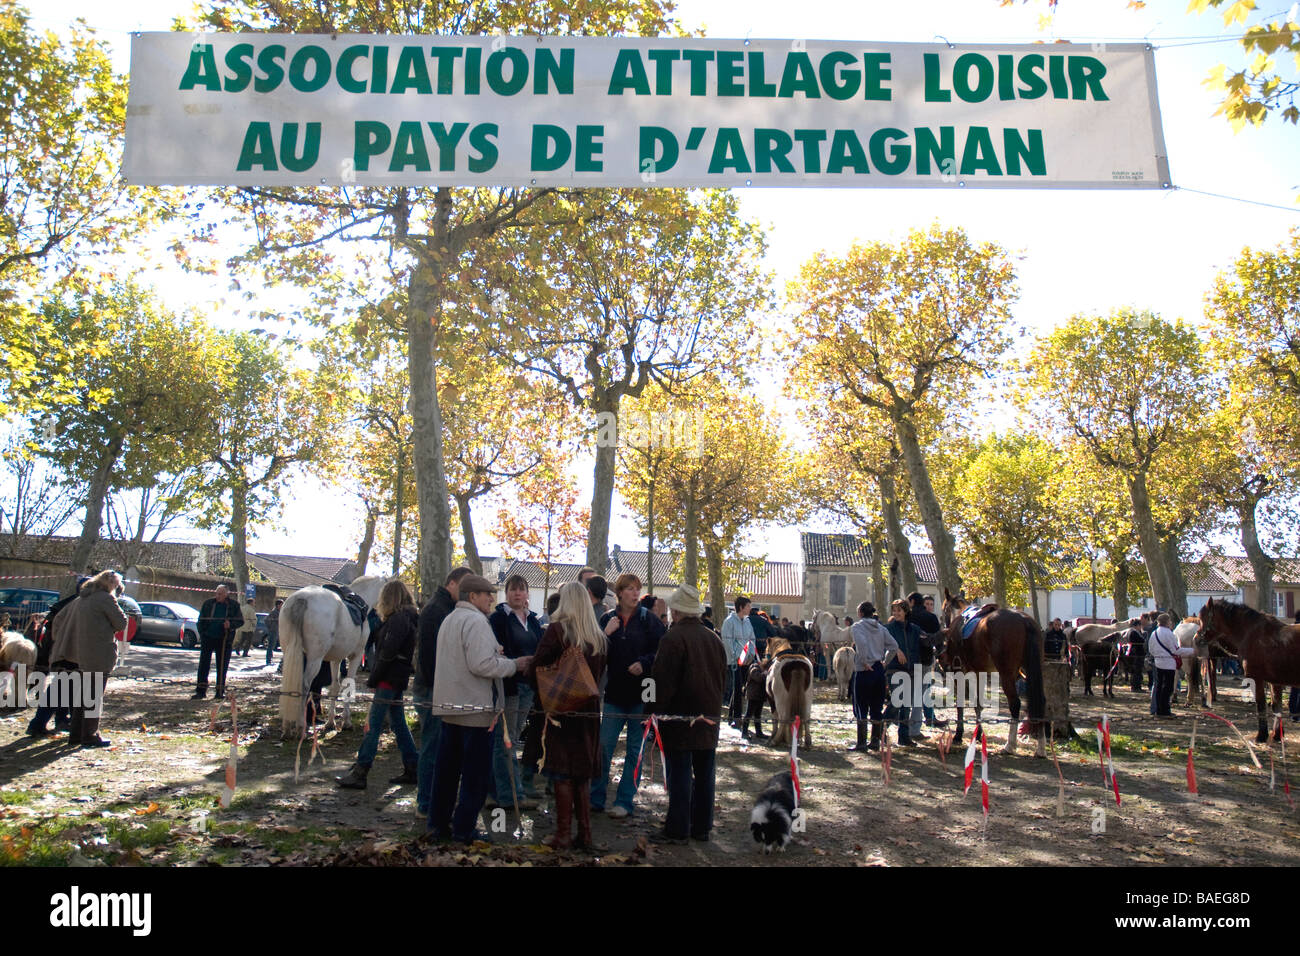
x: 1164, y: 649
x: 467, y: 692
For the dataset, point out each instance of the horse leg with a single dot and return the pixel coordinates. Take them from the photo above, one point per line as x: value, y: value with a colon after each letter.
x: 1277, y: 710
x: 1013, y: 729
x: 1261, y: 690
x: 957, y: 734
x: 336, y: 682
x: 1213, y: 681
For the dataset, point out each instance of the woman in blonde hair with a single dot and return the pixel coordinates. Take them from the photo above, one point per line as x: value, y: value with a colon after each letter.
x: 572, y: 741
x: 395, y: 646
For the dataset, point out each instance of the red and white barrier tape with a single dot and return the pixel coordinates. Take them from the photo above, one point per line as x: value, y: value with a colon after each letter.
x: 1108, y: 780
x: 744, y: 655
x: 978, y: 737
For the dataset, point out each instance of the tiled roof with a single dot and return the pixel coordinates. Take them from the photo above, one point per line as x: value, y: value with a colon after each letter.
x: 1236, y: 569
x: 339, y: 570
x: 207, y: 560
x: 834, y: 550
x: 854, y: 551
x: 1203, y: 576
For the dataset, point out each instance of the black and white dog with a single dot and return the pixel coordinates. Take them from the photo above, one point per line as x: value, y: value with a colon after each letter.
x: 774, y: 813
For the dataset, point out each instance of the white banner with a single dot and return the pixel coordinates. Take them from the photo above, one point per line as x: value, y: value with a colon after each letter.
x: 278, y: 110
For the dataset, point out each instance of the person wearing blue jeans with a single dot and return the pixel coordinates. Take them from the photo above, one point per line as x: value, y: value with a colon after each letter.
x: 614, y: 720
x: 634, y: 634
x: 395, y: 643
x: 467, y: 693
x: 460, y: 781
x: 387, y: 708
x: 430, y: 731
x: 518, y: 631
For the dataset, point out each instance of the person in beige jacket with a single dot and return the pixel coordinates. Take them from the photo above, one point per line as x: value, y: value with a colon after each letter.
x: 95, y: 618
x: 467, y: 692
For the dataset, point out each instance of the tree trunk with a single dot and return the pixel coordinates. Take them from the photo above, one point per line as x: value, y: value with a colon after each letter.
x: 367, y: 540
x: 691, y: 571
x: 239, y: 537
x: 398, y: 515
x: 424, y: 307
x: 1260, y: 562
x: 999, y: 584
x: 713, y: 557
x: 1148, y: 540
x: 96, y: 493
x: 1177, y: 589
x: 1033, y: 594
x: 602, y: 495
x: 467, y: 529
x: 945, y: 555
x: 1119, y: 590
x: 899, y: 546
x: 877, y: 571
x: 650, y: 539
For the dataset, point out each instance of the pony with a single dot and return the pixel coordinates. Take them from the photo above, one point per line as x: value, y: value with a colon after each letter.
x: 789, y: 692
x: 1270, y: 648
x: 315, y: 622
x: 832, y: 637
x: 1188, y: 632
x: 1005, y: 641
x: 16, y: 649
x: 843, y: 664
x: 1099, y: 652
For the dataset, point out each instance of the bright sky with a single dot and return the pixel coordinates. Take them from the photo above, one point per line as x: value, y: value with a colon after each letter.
x: 1081, y: 251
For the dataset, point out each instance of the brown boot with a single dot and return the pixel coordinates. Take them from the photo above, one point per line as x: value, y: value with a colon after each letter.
x: 562, y: 838
x: 582, y: 798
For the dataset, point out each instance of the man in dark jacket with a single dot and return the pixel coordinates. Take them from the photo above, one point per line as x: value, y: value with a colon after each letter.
x: 426, y: 658
x: 39, y: 726
x: 634, y: 635
x: 928, y: 623
x: 689, y: 673
x: 908, y: 637
x: 273, y: 630
x: 518, y: 632
x: 219, y: 620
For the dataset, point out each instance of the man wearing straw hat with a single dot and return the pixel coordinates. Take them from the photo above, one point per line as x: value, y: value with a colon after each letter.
x: 689, y: 674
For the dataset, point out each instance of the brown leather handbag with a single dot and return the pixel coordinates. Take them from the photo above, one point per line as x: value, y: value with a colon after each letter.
x: 566, y: 685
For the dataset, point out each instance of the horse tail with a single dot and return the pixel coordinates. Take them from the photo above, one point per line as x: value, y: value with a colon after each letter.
x: 799, y: 675
x: 1033, y: 663
x: 292, y: 616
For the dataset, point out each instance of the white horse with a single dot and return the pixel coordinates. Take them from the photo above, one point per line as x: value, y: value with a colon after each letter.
x: 1187, y: 632
x: 314, y: 621
x: 831, y: 636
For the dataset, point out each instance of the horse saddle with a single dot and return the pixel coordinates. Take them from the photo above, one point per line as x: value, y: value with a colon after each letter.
x: 356, y: 606
x: 971, y: 617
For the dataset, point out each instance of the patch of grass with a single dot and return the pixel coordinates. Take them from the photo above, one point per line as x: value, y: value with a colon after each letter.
x: 9, y: 798
x: 39, y: 842
x: 131, y: 836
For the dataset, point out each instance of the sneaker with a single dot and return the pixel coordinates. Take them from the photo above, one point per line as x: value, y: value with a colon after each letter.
x: 619, y: 813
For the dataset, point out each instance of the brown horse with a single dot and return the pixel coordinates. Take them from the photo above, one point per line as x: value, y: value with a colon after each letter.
x: 1270, y: 648
x: 1004, y: 641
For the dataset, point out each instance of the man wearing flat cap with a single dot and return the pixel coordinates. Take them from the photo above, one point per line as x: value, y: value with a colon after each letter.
x: 689, y: 673
x: 467, y: 693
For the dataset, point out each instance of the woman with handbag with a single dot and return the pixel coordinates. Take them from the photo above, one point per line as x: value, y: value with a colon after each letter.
x: 566, y: 671
x: 395, y: 641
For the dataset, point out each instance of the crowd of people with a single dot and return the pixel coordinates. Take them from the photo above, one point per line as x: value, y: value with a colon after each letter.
x: 485, y: 678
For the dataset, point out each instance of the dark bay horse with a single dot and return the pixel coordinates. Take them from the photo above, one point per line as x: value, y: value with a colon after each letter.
x: 1270, y: 648
x: 1003, y: 641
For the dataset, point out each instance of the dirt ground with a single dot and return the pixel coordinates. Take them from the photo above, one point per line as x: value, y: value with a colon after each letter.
x: 152, y: 799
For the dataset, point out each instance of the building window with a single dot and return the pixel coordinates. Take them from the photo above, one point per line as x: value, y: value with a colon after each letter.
x: 837, y: 590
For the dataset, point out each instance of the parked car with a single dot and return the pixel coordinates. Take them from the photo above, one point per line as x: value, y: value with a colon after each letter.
x: 22, y: 603
x: 168, y: 622
x: 259, y: 631
x: 133, y: 616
